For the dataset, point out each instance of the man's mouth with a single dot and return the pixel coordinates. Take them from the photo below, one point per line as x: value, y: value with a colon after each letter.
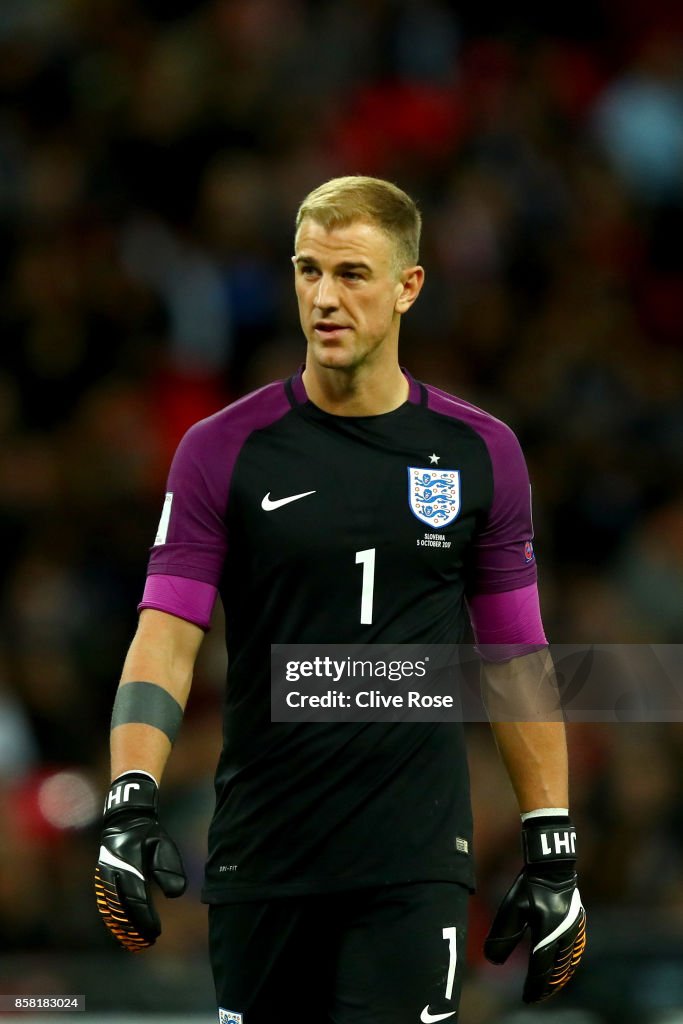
x: 328, y: 326
x: 329, y: 329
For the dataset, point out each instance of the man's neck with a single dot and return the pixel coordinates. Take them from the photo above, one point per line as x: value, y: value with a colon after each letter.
x: 355, y: 393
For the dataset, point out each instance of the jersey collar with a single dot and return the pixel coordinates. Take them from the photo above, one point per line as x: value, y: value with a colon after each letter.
x: 296, y: 392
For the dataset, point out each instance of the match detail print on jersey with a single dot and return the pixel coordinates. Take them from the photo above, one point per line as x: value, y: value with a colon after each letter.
x: 268, y: 504
x: 434, y: 495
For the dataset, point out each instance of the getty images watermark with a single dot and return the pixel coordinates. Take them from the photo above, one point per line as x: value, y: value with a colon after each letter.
x: 445, y: 683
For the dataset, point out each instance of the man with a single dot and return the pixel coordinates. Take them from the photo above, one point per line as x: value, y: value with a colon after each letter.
x: 340, y: 854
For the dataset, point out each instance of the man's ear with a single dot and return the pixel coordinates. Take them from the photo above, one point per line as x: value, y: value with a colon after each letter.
x: 412, y: 279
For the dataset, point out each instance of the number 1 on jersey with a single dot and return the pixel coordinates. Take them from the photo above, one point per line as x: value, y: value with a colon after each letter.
x: 367, y: 560
x: 450, y: 935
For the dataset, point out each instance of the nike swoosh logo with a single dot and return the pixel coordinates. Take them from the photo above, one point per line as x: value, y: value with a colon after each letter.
x: 428, y: 1018
x: 267, y: 505
x: 112, y: 861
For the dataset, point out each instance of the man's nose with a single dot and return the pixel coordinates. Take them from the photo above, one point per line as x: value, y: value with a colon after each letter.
x: 326, y: 296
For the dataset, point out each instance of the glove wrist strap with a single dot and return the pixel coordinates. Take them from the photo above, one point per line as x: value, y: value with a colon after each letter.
x: 550, y: 841
x: 132, y: 791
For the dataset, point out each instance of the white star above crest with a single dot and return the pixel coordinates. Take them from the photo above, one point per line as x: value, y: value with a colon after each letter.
x: 434, y: 459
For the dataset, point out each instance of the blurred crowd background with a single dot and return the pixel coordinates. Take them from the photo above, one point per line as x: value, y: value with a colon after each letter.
x: 152, y: 156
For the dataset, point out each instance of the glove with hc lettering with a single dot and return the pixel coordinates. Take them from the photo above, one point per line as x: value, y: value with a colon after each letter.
x: 134, y: 850
x: 544, y: 899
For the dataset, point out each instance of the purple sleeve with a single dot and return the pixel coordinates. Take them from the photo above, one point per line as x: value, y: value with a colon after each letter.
x: 188, y: 599
x: 192, y: 539
x: 503, y: 555
x: 507, y: 625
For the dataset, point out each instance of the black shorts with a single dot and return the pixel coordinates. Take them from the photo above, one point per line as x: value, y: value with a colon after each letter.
x: 390, y: 955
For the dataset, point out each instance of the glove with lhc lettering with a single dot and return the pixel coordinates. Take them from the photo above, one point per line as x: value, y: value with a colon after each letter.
x: 135, y: 849
x: 545, y: 900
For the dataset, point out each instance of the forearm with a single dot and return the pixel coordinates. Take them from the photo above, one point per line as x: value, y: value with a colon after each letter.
x: 162, y: 656
x: 526, y: 719
x: 535, y: 757
x: 139, y: 747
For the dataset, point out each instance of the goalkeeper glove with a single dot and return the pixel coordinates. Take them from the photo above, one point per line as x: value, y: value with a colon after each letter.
x: 543, y: 898
x: 135, y: 849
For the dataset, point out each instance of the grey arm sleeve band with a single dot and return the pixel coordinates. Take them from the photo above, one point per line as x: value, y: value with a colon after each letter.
x: 147, y: 704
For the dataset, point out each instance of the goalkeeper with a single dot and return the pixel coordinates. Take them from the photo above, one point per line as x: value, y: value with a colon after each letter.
x: 351, y: 504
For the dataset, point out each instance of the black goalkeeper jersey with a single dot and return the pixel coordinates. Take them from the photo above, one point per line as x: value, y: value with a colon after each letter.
x: 271, y: 501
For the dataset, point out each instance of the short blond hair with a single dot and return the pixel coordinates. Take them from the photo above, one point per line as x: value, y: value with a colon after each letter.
x: 341, y: 201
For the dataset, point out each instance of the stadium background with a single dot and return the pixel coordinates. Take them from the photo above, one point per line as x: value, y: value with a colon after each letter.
x: 152, y: 154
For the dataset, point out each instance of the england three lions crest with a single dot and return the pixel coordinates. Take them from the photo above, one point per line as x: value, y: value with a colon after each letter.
x: 434, y: 495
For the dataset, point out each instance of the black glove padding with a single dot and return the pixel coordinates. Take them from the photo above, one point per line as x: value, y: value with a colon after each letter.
x: 135, y: 849
x: 543, y: 898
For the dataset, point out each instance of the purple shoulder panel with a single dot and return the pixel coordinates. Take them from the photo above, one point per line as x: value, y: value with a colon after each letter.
x: 504, y: 556
x: 192, y: 540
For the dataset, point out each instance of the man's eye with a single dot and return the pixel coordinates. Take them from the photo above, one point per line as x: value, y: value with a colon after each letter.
x: 351, y: 275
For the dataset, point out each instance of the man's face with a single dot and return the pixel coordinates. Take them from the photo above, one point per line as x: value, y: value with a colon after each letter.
x: 350, y: 297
